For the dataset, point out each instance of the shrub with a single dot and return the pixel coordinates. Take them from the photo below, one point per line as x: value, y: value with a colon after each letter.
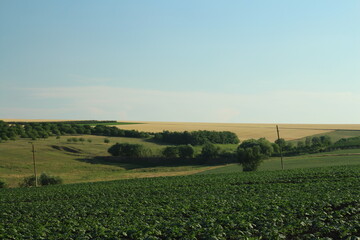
x: 28, y: 181
x: 127, y: 150
x: 45, y: 179
x: 186, y: 151
x: 106, y: 140
x: 89, y: 140
x: 170, y: 152
x: 210, y: 151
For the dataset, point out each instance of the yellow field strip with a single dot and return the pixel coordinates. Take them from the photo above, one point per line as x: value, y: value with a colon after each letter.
x: 244, y: 130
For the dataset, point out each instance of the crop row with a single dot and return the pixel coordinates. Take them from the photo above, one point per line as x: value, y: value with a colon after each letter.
x: 294, y: 204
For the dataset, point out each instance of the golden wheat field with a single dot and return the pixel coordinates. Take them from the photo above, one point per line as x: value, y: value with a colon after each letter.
x: 244, y: 130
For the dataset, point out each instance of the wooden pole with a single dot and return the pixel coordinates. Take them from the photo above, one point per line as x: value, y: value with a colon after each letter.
x: 281, y: 156
x: 33, y: 151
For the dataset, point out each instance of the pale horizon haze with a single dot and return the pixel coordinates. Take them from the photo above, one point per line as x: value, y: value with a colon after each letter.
x: 185, y: 61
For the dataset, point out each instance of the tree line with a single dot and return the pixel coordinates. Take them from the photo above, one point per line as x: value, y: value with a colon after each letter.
x: 89, y: 122
x: 197, y: 137
x: 36, y: 130
x: 250, y: 153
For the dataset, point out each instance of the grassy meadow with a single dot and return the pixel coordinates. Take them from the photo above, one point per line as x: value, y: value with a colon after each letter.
x: 72, y: 161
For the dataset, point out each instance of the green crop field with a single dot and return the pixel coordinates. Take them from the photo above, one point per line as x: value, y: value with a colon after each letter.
x: 317, y: 203
x: 328, y: 159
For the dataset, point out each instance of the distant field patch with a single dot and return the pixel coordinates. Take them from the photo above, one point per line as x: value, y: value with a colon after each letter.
x: 247, y: 130
x: 111, y: 124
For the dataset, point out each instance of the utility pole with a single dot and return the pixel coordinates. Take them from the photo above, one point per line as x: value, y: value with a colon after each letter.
x: 33, y: 151
x: 281, y: 156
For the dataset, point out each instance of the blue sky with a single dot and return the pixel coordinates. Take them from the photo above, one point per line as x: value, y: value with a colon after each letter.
x: 197, y: 61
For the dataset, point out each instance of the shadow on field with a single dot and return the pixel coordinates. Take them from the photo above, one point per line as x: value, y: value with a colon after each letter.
x: 151, y: 140
x: 135, y: 163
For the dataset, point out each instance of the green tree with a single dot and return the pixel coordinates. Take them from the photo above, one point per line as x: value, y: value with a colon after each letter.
x: 250, y: 158
x: 325, y: 140
x: 209, y: 151
x: 127, y: 150
x: 251, y: 153
x: 300, y: 144
x: 316, y: 142
x: 186, y: 151
x: 280, y: 142
x: 170, y: 152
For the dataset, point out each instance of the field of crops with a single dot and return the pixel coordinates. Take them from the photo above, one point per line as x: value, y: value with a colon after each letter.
x: 248, y: 130
x: 293, y: 204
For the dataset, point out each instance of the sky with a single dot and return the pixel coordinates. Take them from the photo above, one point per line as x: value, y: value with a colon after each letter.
x: 272, y: 61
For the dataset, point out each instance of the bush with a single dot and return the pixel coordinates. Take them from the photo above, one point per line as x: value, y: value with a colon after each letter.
x: 106, y: 140
x: 28, y: 181
x: 210, y: 151
x: 2, y: 184
x: 127, y: 150
x: 45, y: 179
x: 170, y: 152
x: 186, y: 151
